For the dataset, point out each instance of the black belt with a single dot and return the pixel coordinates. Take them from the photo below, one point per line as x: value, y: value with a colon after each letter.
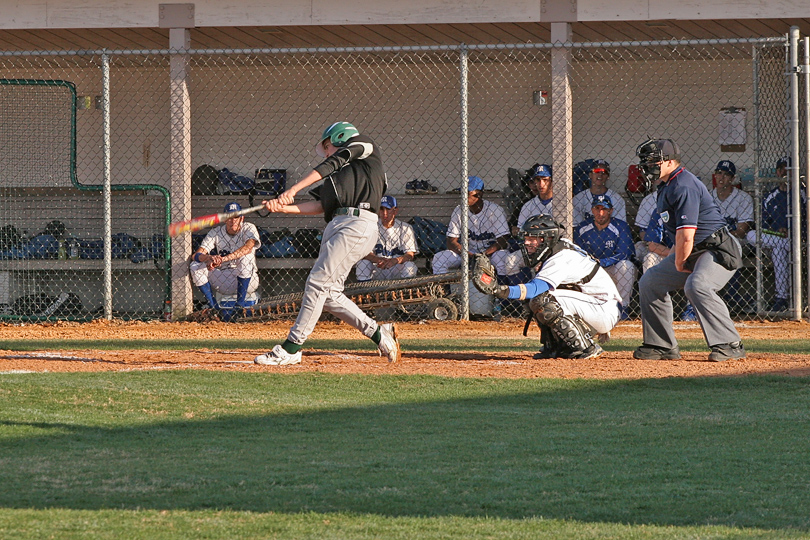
x: 347, y: 211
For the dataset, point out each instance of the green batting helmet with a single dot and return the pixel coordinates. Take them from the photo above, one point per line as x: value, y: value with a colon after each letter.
x: 338, y: 134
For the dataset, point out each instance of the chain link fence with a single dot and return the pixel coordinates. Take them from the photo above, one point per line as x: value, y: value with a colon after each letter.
x: 189, y: 133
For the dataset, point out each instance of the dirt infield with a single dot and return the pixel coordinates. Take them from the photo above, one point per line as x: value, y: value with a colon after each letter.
x: 611, y: 365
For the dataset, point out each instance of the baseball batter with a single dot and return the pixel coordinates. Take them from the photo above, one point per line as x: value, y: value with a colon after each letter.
x: 354, y: 183
x: 232, y: 270
x: 393, y: 255
x: 571, y: 297
x: 704, y: 257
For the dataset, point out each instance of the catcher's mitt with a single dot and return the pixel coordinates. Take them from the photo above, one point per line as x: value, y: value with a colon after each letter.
x: 485, y: 278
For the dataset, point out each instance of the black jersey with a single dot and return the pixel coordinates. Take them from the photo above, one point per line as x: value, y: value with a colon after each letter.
x: 353, y: 177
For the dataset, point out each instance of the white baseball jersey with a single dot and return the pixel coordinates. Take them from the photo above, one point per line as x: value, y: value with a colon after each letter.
x: 570, y: 266
x: 583, y: 202
x: 533, y: 207
x: 645, y: 210
x: 738, y: 207
x: 484, y: 227
x: 396, y: 240
x: 219, y: 238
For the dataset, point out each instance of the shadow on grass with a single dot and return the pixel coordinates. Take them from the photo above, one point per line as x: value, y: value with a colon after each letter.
x: 668, y: 452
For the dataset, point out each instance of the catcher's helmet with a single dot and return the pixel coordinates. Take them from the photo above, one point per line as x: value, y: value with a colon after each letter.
x: 650, y: 155
x: 338, y: 133
x: 548, y: 231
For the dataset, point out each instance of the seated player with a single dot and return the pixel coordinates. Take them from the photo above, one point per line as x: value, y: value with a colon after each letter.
x: 393, y: 254
x: 610, y: 241
x: 232, y: 270
x: 487, y: 229
x: 599, y: 175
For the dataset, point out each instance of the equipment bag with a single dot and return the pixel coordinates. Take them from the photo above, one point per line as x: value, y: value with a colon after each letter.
x: 430, y: 235
x: 307, y: 242
x: 204, y: 180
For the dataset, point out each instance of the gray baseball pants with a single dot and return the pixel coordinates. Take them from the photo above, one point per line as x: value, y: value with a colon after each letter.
x: 346, y: 240
x: 700, y: 288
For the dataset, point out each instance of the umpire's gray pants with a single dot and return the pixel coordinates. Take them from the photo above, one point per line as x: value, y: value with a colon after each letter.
x: 700, y: 288
x: 346, y: 240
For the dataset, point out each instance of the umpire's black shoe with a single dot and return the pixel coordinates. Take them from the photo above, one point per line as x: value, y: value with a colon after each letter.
x: 727, y: 351
x: 648, y: 352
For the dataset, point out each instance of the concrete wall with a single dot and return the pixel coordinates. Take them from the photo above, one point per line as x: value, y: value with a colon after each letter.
x: 144, y: 14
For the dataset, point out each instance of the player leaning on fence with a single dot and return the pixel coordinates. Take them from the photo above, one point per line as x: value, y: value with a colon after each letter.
x: 354, y: 183
x: 704, y: 257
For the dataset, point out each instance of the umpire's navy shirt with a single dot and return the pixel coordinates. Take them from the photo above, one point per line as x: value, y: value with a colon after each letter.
x: 685, y: 203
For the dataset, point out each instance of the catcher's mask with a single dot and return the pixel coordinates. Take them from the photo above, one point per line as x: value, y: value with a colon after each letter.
x: 547, y: 232
x: 650, y: 155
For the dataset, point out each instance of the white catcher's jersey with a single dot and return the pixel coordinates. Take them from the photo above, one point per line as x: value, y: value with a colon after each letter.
x: 485, y: 227
x: 645, y: 211
x: 533, y: 207
x: 219, y: 238
x: 739, y: 205
x: 571, y: 265
x: 396, y: 240
x: 583, y: 202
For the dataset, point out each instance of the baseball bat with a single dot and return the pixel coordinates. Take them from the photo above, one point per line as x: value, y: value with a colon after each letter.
x: 195, y: 224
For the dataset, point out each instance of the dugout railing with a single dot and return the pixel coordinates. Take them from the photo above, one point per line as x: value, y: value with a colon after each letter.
x: 145, y: 121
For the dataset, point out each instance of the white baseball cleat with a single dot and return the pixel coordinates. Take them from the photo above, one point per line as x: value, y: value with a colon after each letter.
x: 389, y: 345
x: 278, y: 357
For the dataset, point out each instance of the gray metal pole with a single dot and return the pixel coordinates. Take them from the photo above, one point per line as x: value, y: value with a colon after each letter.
x: 465, y: 209
x: 793, y: 171
x: 106, y: 190
x: 806, y: 72
x: 757, y: 183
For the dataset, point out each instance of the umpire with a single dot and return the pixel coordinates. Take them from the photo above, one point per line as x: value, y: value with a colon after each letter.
x: 704, y: 257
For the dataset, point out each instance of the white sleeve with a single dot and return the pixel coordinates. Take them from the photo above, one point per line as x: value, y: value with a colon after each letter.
x: 210, y: 240
x: 746, y: 209
x: 577, y: 202
x: 408, y: 239
x: 251, y: 232
x: 525, y: 212
x: 645, y: 211
x: 454, y: 228
x: 500, y: 225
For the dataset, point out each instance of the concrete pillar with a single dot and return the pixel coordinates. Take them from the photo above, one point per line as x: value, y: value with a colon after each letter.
x: 179, y: 18
x: 561, y: 125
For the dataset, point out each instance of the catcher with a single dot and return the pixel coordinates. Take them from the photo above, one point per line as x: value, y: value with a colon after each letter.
x: 571, y: 297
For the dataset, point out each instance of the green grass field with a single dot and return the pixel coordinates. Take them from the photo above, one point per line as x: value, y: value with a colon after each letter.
x: 196, y: 454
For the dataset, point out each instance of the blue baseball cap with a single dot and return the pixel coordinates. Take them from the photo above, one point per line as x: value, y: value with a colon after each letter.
x: 232, y: 207
x: 782, y: 162
x: 541, y: 170
x: 602, y: 200
x: 474, y: 183
x: 726, y: 166
x: 388, y: 202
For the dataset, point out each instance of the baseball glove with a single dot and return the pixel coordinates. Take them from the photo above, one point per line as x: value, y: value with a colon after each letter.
x: 485, y: 278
